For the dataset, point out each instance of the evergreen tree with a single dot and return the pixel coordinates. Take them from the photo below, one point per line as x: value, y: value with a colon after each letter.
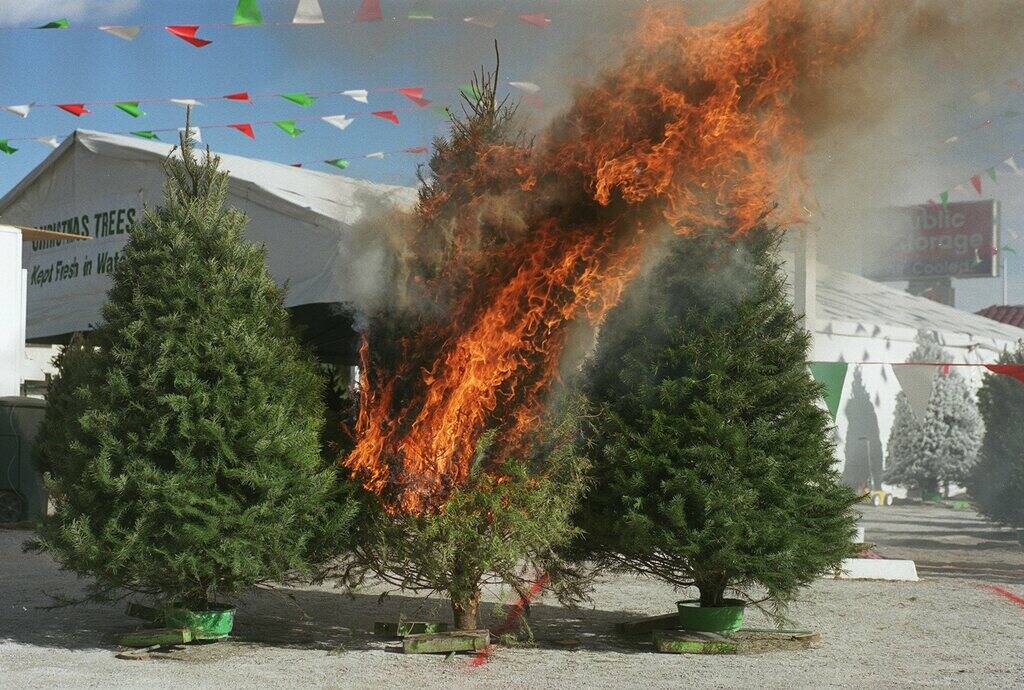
x: 943, y: 447
x: 182, y: 437
x: 996, y: 482
x: 713, y: 461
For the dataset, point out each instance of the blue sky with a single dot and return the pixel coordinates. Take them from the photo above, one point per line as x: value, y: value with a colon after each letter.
x: 71, y: 66
x: 88, y: 65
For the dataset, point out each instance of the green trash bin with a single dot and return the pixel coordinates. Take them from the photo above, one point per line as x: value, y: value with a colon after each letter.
x: 22, y: 495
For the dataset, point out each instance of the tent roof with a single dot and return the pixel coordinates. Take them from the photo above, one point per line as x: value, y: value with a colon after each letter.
x: 277, y: 185
x: 851, y: 298
x: 1011, y: 314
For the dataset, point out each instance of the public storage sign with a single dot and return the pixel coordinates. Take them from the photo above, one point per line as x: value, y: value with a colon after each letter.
x: 958, y: 240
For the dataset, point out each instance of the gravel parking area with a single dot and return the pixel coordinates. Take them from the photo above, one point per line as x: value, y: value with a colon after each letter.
x: 949, y: 630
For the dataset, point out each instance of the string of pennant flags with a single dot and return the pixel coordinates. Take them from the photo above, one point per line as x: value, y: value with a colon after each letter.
x: 307, y: 13
x: 133, y: 107
x: 915, y: 378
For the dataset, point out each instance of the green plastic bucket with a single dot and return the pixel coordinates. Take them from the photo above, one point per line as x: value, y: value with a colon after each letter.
x: 214, y: 623
x: 714, y: 619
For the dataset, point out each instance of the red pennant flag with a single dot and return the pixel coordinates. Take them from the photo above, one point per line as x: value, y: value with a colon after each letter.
x: 976, y: 183
x: 76, y: 109
x: 415, y: 94
x: 187, y: 32
x: 244, y: 128
x: 416, y: 149
x: 240, y: 96
x: 369, y: 11
x: 540, y: 19
x: 387, y: 115
x: 1014, y: 370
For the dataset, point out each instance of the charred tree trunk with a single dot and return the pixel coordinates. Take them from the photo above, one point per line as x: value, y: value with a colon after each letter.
x: 464, y: 610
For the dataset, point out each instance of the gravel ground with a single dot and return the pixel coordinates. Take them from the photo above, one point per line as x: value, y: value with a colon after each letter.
x: 949, y: 630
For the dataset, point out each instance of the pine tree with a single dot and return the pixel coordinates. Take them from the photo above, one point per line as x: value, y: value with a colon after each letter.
x: 181, y: 441
x: 996, y: 482
x: 943, y: 447
x: 713, y: 461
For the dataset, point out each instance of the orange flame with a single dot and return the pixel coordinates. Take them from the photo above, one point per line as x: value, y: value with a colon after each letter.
x: 696, y: 129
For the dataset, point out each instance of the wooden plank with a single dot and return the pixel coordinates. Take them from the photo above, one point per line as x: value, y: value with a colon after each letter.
x: 680, y: 642
x: 40, y: 234
x: 668, y: 621
x: 444, y: 642
x: 146, y: 613
x: 406, y: 628
x: 156, y: 636
x: 746, y: 641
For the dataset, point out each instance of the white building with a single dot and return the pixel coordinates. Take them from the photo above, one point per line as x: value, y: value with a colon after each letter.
x: 315, y: 228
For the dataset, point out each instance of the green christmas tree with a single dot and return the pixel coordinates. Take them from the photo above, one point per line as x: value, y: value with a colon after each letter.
x: 182, y: 437
x: 996, y: 483
x: 713, y: 461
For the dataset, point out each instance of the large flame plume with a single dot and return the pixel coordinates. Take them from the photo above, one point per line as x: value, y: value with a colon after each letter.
x: 696, y: 129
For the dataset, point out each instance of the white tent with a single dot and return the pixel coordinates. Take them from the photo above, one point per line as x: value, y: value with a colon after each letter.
x: 97, y: 184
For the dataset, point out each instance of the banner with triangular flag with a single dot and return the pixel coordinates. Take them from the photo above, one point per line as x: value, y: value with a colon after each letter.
x: 527, y: 86
x: 339, y: 121
x: 245, y: 128
x: 1012, y: 165
x: 240, y: 96
x: 130, y: 107
x: 976, y: 183
x: 76, y: 109
x: 487, y: 22
x: 359, y: 95
x: 916, y: 381
x: 339, y: 163
x: 991, y: 173
x: 537, y: 19
x: 187, y: 33
x: 369, y: 11
x: 832, y: 376
x: 146, y: 134
x: 19, y: 110
x: 247, y: 13
x: 56, y: 24
x: 289, y: 128
x: 470, y: 91
x: 300, y: 98
x: 415, y: 94
x: 376, y: 154
x: 125, y: 33
x: 7, y: 148
x: 308, y: 12
x: 185, y: 102
x: 388, y: 115
x: 416, y: 149
x: 944, y: 199
x: 48, y: 141
x: 1014, y: 370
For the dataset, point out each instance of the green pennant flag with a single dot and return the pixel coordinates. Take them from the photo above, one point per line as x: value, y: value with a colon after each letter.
x: 992, y: 173
x: 441, y: 110
x: 247, y: 13
x: 130, y: 107
x: 288, y: 126
x: 944, y: 198
x: 6, y: 148
x: 470, y: 91
x: 339, y: 163
x: 421, y: 11
x: 302, y: 98
x: 831, y: 375
x: 56, y: 24
x: 146, y: 134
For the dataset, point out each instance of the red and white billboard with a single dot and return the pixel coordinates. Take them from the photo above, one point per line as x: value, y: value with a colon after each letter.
x: 958, y: 240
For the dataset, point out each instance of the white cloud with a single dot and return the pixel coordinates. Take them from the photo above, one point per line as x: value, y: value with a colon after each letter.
x: 19, y: 11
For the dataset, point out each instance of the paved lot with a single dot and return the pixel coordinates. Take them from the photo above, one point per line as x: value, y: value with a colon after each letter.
x: 949, y: 630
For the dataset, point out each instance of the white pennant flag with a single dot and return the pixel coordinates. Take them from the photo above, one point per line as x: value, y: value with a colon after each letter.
x: 916, y: 382
x: 339, y: 121
x: 197, y: 135
x: 185, y: 102
x: 527, y: 86
x: 308, y: 12
x: 960, y: 189
x: 376, y: 154
x: 127, y: 33
x: 360, y: 95
x: 1012, y: 165
x: 19, y: 110
x: 49, y: 141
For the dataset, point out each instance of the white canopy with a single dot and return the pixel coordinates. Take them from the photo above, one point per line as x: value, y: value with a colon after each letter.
x: 314, y: 225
